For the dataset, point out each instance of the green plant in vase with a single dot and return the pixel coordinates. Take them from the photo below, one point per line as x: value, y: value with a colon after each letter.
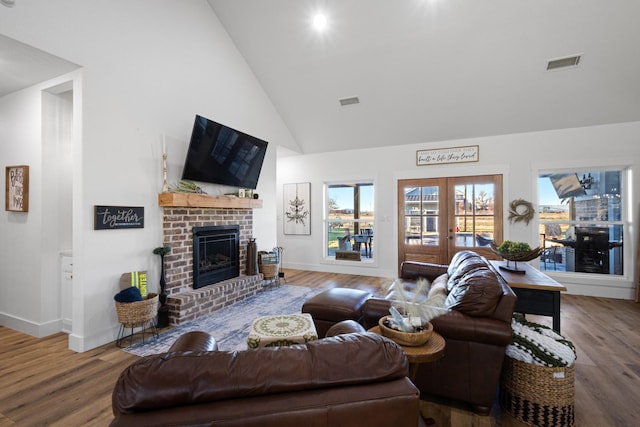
x: 515, y: 251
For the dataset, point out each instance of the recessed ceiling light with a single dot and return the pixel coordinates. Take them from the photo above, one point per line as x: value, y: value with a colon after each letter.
x: 320, y: 21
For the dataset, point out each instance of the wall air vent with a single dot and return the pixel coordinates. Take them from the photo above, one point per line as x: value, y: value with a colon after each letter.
x: 569, y: 61
x: 349, y: 101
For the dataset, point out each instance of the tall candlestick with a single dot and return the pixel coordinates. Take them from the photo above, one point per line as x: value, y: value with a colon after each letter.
x: 165, y: 184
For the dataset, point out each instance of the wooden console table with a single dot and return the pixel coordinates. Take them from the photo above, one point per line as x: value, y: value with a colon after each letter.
x: 537, y: 293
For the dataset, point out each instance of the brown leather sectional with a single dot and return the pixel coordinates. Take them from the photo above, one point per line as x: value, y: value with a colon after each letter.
x: 356, y: 378
x: 476, y: 328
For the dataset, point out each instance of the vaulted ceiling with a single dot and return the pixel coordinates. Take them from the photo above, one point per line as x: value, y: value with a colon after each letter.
x: 434, y: 70
x: 423, y: 70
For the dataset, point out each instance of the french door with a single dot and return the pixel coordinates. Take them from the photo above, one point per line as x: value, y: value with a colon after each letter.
x: 438, y: 217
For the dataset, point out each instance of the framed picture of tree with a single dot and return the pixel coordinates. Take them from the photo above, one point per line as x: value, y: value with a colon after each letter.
x: 297, y: 208
x: 17, y: 189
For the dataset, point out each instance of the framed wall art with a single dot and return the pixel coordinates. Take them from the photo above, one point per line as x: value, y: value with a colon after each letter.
x: 17, y: 188
x: 297, y: 208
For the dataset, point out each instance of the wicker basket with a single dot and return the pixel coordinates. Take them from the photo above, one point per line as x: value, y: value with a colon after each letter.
x: 268, y: 265
x: 410, y: 339
x: 269, y: 271
x: 538, y: 395
x: 138, y: 313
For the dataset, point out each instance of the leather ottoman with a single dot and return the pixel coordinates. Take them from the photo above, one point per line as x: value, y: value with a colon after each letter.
x: 335, y: 305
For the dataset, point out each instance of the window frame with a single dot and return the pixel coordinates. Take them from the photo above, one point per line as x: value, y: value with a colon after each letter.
x: 330, y: 259
x: 625, y: 222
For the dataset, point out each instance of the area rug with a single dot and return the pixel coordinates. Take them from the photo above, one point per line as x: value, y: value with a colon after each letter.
x: 230, y: 325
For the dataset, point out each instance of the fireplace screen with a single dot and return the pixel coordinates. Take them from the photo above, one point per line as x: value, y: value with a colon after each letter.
x: 216, y: 254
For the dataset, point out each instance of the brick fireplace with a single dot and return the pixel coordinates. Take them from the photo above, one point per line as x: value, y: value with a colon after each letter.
x: 181, y: 213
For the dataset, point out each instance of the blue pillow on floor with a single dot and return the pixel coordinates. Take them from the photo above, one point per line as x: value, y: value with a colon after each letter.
x: 131, y: 294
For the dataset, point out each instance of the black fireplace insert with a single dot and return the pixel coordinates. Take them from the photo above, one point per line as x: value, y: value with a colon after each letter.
x: 216, y: 254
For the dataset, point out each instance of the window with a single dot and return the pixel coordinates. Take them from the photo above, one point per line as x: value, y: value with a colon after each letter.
x: 349, y: 219
x: 582, y: 221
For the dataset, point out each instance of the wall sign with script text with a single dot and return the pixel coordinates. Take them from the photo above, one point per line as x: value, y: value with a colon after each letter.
x: 117, y: 217
x: 16, y: 194
x: 440, y: 156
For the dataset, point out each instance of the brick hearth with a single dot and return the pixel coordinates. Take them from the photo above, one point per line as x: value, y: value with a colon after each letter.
x: 184, y: 302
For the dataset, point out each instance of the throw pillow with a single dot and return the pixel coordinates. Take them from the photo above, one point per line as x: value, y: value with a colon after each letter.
x: 130, y: 294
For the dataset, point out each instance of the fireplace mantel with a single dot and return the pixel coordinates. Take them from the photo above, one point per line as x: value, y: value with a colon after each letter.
x: 193, y: 200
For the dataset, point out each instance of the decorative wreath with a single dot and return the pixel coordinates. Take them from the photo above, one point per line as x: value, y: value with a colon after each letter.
x: 521, y: 210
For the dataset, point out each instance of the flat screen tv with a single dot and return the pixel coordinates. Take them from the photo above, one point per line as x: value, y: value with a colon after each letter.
x: 218, y: 154
x: 567, y: 185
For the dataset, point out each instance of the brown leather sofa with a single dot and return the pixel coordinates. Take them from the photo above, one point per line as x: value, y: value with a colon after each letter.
x: 355, y: 378
x: 476, y: 326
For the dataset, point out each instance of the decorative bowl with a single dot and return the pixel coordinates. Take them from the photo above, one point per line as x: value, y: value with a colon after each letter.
x: 517, y: 256
x: 410, y: 339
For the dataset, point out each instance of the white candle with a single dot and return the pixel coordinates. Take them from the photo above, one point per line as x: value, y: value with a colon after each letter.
x: 164, y: 144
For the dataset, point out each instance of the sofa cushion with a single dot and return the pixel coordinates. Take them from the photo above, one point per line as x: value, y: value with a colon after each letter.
x: 457, y: 258
x: 194, y: 341
x: 476, y: 293
x: 345, y: 327
x: 174, y: 379
x: 464, y: 267
x: 438, y: 292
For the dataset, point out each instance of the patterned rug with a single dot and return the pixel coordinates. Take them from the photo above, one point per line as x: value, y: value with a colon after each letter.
x: 230, y: 325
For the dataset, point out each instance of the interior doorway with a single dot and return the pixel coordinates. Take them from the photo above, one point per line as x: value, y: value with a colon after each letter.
x: 438, y: 217
x: 57, y: 197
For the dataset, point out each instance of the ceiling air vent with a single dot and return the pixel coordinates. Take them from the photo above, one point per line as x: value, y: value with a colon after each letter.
x: 349, y: 101
x: 569, y: 61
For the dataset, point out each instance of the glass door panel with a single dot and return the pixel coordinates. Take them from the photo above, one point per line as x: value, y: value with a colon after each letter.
x: 440, y: 216
x: 476, y: 213
x: 420, y: 224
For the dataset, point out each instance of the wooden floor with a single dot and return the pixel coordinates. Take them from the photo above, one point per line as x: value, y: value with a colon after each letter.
x: 42, y: 383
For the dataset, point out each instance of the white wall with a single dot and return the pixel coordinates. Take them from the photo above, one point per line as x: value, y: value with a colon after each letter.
x: 147, y: 67
x: 20, y: 258
x: 518, y: 157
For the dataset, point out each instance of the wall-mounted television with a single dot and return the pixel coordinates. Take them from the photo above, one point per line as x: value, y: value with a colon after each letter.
x: 567, y: 185
x: 219, y: 154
